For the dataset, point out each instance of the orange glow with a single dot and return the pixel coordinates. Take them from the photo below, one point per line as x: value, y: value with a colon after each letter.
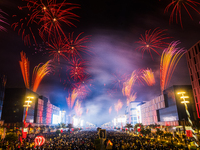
x: 148, y: 77
x: 127, y: 85
x: 24, y: 65
x: 78, y: 108
x: 131, y: 98
x: 168, y: 63
x: 38, y: 74
x: 72, y: 98
x: 109, y: 142
x: 118, y: 106
x: 110, y: 109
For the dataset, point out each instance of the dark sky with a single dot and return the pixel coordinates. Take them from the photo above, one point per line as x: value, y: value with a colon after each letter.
x: 114, y: 27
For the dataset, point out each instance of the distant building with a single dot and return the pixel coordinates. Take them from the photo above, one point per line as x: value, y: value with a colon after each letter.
x: 2, y: 91
x: 132, y: 112
x: 193, y: 61
x: 167, y: 109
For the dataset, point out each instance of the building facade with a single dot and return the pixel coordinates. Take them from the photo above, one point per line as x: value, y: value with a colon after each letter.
x: 193, y: 61
x: 41, y: 110
x: 148, y: 110
x: 167, y: 109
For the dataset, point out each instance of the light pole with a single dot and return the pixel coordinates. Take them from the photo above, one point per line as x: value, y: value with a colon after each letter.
x: 27, y: 105
x: 188, y: 114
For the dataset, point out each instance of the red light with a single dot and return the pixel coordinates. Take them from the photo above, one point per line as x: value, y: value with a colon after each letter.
x: 39, y: 140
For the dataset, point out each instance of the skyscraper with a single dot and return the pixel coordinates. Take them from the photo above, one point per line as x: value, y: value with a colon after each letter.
x: 193, y: 61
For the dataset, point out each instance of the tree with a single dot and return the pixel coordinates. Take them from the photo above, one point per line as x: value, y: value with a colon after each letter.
x: 128, y: 126
x: 138, y: 125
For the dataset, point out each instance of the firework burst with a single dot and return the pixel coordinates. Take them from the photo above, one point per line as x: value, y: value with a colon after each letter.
x: 148, y: 77
x: 55, y: 15
x: 77, y: 45
x: 77, y: 69
x: 78, y: 108
x: 57, y: 48
x: 169, y: 60
x: 153, y: 41
x: 177, y: 4
x: 3, y: 20
x: 39, y: 72
x: 72, y: 98
x: 118, y: 79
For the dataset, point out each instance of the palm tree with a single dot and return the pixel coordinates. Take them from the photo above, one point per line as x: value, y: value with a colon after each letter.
x: 128, y: 126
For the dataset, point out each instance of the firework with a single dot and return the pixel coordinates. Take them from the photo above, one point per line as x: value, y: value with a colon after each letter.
x: 176, y: 4
x: 118, y: 106
x: 24, y: 65
x: 87, y: 110
x: 57, y: 48
x: 131, y: 98
x: 77, y: 69
x: 39, y: 72
x: 78, y: 108
x: 72, y: 98
x: 3, y: 20
x: 168, y: 63
x: 153, y: 41
x: 148, y: 77
x: 110, y: 109
x: 118, y: 79
x: 127, y: 85
x: 77, y: 45
x: 56, y: 14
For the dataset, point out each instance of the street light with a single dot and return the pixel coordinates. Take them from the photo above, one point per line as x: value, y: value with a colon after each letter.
x: 27, y: 105
x: 188, y: 114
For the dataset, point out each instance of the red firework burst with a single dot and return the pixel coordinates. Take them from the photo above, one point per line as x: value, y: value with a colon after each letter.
x: 77, y: 45
x: 54, y: 15
x: 3, y: 20
x: 176, y: 4
x: 57, y: 48
x: 77, y: 69
x: 118, y: 79
x: 152, y: 41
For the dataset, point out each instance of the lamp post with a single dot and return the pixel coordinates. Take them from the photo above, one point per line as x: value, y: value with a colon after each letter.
x: 27, y: 105
x: 188, y: 114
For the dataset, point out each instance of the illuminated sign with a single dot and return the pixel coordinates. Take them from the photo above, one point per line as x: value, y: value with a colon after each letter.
x: 39, y: 140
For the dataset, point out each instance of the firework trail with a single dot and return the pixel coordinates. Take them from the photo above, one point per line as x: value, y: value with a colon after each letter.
x: 78, y: 108
x: 110, y: 109
x: 39, y: 72
x: 4, y: 80
x: 77, y: 45
x: 168, y: 63
x: 153, y: 41
x: 127, y: 85
x: 3, y: 20
x: 87, y: 110
x: 118, y: 106
x: 25, y: 65
x: 177, y: 4
x: 148, y: 77
x: 72, y: 98
x: 131, y: 98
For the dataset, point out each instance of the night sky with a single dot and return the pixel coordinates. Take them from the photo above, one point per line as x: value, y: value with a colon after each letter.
x: 114, y: 26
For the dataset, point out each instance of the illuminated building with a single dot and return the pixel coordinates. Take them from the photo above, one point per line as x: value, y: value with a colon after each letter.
x: 167, y: 109
x: 40, y: 112
x: 2, y: 91
x: 193, y: 61
x: 133, y: 112
x: 120, y: 121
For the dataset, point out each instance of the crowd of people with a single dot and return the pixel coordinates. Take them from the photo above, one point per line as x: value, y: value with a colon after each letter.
x: 88, y: 140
